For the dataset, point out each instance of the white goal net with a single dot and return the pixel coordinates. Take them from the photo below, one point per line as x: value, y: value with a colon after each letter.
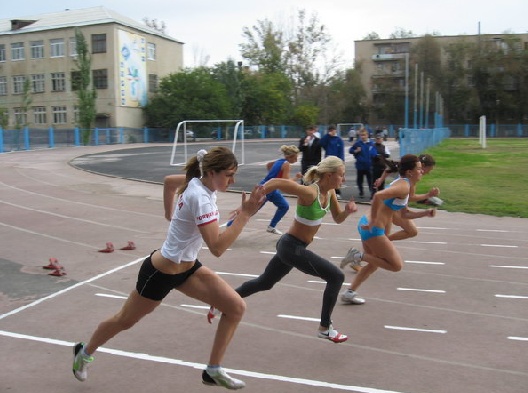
x: 190, y: 131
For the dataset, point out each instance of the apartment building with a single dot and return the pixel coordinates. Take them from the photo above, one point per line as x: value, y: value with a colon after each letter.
x: 384, y: 60
x: 128, y: 59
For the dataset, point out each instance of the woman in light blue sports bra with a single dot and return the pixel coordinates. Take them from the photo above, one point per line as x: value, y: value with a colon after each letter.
x: 379, y: 250
x: 314, y: 200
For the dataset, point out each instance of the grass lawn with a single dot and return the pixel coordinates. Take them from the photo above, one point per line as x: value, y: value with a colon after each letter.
x: 491, y: 181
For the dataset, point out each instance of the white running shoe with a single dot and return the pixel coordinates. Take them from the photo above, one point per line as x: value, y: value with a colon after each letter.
x: 351, y: 297
x: 353, y: 257
x: 332, y: 335
x: 81, y: 362
x: 273, y: 230
x: 219, y: 377
x: 213, y: 313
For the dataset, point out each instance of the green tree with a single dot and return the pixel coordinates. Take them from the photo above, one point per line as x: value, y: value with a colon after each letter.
x: 4, y: 117
x: 26, y: 100
x: 267, y: 99
x: 86, y: 94
x: 231, y: 76
x: 264, y: 47
x: 192, y: 94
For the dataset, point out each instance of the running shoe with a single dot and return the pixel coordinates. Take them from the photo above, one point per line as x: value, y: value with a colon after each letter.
x: 353, y: 257
x: 219, y: 377
x: 332, y: 335
x: 351, y: 297
x: 212, y: 313
x: 81, y: 362
x: 273, y: 230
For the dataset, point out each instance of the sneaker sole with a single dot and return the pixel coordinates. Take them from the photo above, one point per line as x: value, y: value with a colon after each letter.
x: 209, y: 381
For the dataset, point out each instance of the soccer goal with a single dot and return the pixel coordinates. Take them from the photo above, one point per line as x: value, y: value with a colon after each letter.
x: 343, y: 129
x: 208, y: 129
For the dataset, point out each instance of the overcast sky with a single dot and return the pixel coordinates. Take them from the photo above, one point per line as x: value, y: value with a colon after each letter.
x: 213, y: 28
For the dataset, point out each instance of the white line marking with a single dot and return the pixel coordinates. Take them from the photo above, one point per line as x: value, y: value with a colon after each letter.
x: 110, y: 296
x: 511, y: 297
x: 237, y: 274
x: 430, y: 242
x: 425, y: 263
x: 441, y: 228
x: 510, y: 267
x: 194, y: 306
x: 492, y: 230
x: 421, y: 290
x: 498, y: 245
x: 268, y: 252
x: 299, y: 318
x: 201, y: 366
x: 518, y: 338
x: 415, y: 330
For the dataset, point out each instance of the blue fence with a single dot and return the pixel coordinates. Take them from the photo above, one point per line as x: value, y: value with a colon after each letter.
x: 412, y: 141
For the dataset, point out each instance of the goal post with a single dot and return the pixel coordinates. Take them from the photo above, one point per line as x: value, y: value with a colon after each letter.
x: 182, y: 131
x: 482, y: 131
x: 344, y: 128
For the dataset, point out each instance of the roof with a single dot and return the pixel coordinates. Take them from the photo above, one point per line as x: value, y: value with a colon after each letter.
x: 76, y: 18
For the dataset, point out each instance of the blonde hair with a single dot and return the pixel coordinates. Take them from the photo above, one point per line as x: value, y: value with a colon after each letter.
x: 329, y: 165
x: 289, y: 150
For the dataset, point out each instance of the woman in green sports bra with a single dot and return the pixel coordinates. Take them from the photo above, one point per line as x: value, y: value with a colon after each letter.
x: 314, y: 200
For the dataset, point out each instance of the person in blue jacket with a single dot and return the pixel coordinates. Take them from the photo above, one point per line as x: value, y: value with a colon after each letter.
x: 364, y: 152
x: 333, y: 145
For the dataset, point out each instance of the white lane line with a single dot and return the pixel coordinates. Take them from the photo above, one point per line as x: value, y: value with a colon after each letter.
x: 201, y: 366
x: 498, y: 245
x: 237, y: 274
x: 511, y: 296
x: 510, y: 267
x: 492, y: 230
x: 195, y: 306
x: 518, y: 338
x: 421, y: 290
x: 110, y: 296
x: 268, y: 252
x: 425, y: 263
x: 299, y: 318
x: 439, y: 228
x: 415, y: 330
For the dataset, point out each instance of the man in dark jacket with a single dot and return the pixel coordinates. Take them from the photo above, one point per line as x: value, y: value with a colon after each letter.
x: 310, y: 146
x: 378, y: 162
x: 333, y: 145
x: 364, y: 152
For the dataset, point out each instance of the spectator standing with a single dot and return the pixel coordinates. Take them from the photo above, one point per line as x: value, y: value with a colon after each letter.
x: 310, y: 146
x: 364, y: 152
x: 333, y: 145
x: 379, y: 163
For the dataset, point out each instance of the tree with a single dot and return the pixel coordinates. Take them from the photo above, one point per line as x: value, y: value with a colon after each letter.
x: 267, y: 99
x: 231, y: 76
x: 188, y: 95
x: 26, y: 100
x: 86, y: 95
x: 264, y: 48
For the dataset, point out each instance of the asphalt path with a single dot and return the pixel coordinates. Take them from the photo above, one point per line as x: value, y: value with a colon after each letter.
x: 153, y: 163
x: 455, y: 319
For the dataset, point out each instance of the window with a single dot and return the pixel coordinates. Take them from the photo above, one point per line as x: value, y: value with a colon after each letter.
x: 57, y: 47
x: 98, y: 43
x: 18, y: 84
x: 20, y: 116
x: 37, y: 83
x: 151, y: 51
x: 3, y: 85
x: 100, y: 79
x: 59, y: 114
x: 73, y: 46
x: 40, y: 115
x: 2, y: 53
x: 76, y: 80
x: 17, y: 51
x: 152, y: 83
x: 58, y: 81
x: 36, y: 49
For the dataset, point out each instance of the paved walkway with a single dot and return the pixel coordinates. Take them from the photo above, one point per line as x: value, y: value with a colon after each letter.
x: 453, y: 320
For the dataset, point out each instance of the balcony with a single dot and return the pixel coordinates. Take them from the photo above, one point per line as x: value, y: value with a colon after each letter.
x: 388, y: 56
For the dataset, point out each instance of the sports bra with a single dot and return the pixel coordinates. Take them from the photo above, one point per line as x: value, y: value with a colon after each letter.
x: 313, y: 214
x: 397, y: 203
